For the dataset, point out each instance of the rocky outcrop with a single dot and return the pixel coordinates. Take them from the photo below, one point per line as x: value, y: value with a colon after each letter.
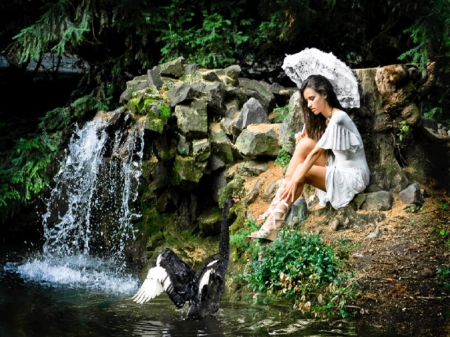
x: 201, y: 122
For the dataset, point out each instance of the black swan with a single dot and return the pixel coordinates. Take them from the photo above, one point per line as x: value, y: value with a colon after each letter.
x: 202, y: 289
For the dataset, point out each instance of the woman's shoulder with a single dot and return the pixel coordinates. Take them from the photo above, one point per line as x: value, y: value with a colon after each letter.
x: 341, y: 117
x: 340, y: 113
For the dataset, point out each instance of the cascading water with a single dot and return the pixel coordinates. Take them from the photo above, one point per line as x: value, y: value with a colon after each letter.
x: 89, y: 212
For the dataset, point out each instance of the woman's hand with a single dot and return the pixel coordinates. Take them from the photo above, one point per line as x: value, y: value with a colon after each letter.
x: 300, y: 135
x: 288, y: 193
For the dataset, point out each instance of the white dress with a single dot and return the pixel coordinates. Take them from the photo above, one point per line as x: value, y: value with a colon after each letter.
x: 347, y: 171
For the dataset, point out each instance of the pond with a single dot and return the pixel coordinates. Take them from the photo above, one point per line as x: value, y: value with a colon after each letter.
x: 43, y: 300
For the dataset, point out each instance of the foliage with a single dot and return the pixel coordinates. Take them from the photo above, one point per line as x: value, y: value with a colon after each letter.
x: 239, y: 240
x: 299, y: 267
x: 116, y: 40
x: 430, y: 34
x: 52, y: 31
x: 282, y: 113
x: 403, y: 130
x: 211, y: 45
x: 26, y: 174
x: 432, y: 113
x: 444, y: 276
x: 283, y: 158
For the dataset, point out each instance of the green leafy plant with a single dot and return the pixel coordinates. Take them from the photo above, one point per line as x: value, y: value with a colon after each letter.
x: 26, y: 174
x: 432, y: 113
x: 239, y: 240
x: 283, y: 158
x: 444, y: 276
x: 429, y: 33
x: 282, y: 113
x: 403, y: 130
x: 301, y: 268
x: 211, y: 45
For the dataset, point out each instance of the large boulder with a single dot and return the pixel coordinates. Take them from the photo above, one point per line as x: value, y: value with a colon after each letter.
x: 259, y: 140
x: 253, y: 112
x: 192, y: 119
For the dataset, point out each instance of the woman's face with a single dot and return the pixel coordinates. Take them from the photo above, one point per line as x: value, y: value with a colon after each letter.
x: 316, y: 102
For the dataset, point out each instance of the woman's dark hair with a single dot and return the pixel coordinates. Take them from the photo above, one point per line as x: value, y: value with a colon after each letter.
x: 315, y: 125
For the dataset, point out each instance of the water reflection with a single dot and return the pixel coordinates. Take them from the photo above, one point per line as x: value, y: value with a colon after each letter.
x: 29, y: 308
x: 35, y: 308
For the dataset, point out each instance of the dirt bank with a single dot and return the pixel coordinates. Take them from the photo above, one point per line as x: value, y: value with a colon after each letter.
x: 404, y: 288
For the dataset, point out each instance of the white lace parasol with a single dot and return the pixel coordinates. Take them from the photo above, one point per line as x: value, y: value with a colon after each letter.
x: 312, y: 61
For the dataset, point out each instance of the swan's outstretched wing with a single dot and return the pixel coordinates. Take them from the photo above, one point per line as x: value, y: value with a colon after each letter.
x: 171, y: 275
x: 152, y: 286
x: 211, y: 288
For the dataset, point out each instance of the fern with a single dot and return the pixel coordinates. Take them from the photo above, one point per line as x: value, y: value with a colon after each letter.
x: 50, y: 33
x: 430, y: 34
x: 26, y: 175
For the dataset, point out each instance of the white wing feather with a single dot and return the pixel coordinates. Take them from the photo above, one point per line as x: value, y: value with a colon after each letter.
x: 205, y: 278
x: 155, y: 283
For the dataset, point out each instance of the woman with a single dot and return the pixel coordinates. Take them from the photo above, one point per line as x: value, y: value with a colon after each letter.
x: 329, y: 156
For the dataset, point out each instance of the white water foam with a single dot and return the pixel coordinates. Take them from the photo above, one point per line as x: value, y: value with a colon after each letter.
x: 90, y: 211
x: 76, y: 272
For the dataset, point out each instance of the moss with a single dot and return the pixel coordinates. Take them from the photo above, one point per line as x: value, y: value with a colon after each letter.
x: 155, y: 124
x: 166, y: 111
x: 235, y: 188
x: 187, y: 169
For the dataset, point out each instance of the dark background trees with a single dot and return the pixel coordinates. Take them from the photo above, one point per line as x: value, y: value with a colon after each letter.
x: 116, y: 40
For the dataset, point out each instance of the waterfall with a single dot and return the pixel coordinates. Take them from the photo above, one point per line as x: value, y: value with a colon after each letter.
x: 89, y: 213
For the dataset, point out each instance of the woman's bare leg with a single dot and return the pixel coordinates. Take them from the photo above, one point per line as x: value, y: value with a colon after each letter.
x: 315, y: 177
x: 302, y: 149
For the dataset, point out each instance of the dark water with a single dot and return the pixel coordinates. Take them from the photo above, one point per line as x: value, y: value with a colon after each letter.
x: 37, y: 308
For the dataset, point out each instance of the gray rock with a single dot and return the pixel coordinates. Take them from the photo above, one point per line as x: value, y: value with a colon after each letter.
x: 215, y: 163
x: 180, y: 93
x: 210, y: 76
x: 154, y: 77
x: 223, y: 147
x: 259, y: 91
x: 259, y: 140
x: 183, y: 147
x: 377, y: 201
x: 213, y: 94
x: 334, y: 224
x: 190, y: 69
x: 297, y: 213
x: 192, y: 119
x: 136, y: 84
x: 254, y: 168
x: 251, y: 113
x: 374, y: 234
x: 292, y: 124
x: 173, y: 68
x: 412, y: 195
x: 201, y: 149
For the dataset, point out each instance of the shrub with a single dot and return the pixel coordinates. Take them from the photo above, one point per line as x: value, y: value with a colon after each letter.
x: 299, y: 267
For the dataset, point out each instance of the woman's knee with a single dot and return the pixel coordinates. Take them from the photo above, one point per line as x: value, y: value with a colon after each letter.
x: 304, y: 147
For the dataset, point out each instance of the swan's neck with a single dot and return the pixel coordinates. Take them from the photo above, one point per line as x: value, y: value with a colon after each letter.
x: 224, y: 245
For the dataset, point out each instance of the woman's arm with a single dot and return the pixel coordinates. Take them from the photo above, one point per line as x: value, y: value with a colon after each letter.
x: 289, y: 192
